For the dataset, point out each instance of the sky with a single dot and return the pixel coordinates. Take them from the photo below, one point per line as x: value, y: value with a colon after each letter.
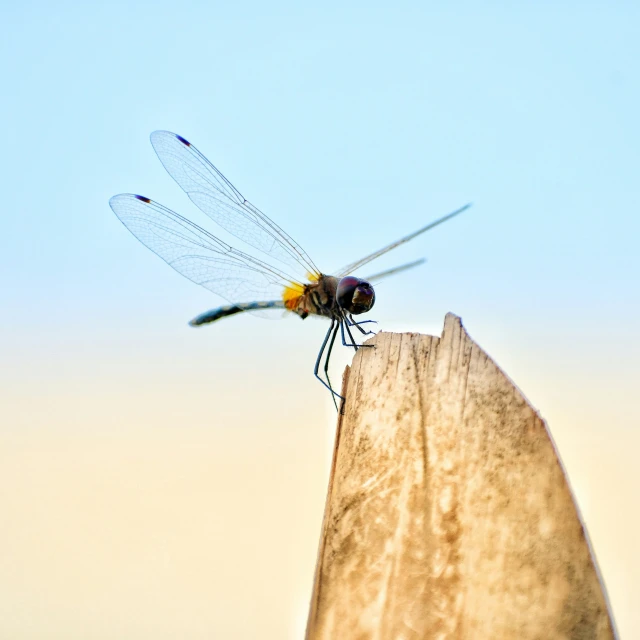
x: 159, y: 481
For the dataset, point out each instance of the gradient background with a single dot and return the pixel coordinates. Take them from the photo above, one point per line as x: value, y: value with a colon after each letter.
x: 158, y: 481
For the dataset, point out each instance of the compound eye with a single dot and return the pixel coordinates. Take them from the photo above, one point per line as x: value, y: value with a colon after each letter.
x: 346, y: 289
x: 355, y: 295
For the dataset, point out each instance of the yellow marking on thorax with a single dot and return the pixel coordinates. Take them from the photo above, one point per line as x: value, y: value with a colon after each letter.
x: 291, y: 295
x: 294, y: 291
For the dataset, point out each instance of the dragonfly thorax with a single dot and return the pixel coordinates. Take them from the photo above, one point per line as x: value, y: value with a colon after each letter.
x: 330, y: 297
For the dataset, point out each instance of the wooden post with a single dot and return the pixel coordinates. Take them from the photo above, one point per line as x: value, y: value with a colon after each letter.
x: 448, y: 513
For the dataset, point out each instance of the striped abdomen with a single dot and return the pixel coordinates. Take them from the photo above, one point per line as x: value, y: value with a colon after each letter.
x: 232, y: 309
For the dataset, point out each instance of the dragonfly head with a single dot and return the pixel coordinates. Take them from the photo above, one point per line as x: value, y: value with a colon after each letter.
x: 355, y: 295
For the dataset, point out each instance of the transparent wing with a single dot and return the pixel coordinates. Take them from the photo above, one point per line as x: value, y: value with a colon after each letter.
x: 356, y: 265
x: 211, y: 192
x: 197, y: 254
x: 376, y: 277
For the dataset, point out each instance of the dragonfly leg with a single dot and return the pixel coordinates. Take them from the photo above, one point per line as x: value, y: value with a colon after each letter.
x: 326, y: 362
x: 344, y: 341
x: 319, y: 358
x: 353, y: 323
x: 345, y: 325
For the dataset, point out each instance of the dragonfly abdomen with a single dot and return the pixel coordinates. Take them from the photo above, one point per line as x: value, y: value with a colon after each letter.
x: 230, y: 310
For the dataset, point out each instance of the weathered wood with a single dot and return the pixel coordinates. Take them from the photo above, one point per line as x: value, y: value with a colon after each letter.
x: 448, y: 513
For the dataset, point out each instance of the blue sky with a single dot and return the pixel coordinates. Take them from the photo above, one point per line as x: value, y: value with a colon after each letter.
x: 350, y: 127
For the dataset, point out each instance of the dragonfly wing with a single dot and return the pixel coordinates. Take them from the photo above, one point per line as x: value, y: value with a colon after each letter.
x: 392, y: 272
x: 356, y: 265
x: 197, y: 254
x: 211, y: 192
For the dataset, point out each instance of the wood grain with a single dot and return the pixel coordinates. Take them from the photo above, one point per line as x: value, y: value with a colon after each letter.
x: 448, y: 513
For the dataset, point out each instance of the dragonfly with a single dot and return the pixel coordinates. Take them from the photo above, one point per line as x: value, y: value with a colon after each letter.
x: 282, y: 276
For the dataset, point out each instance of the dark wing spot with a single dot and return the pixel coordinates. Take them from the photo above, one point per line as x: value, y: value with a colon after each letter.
x: 144, y: 199
x: 184, y: 142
